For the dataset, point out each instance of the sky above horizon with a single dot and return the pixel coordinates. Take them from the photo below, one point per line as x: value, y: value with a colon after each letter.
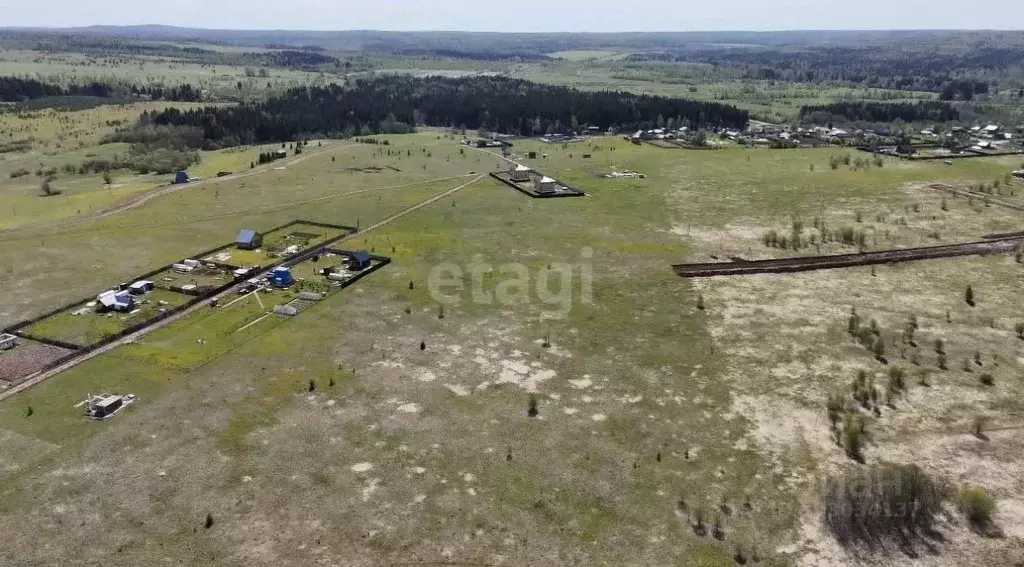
x: 519, y: 15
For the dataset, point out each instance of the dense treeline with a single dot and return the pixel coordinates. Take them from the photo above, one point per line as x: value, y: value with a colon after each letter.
x: 478, y: 54
x: 158, y: 149
x: 13, y: 89
x: 540, y: 43
x: 962, y: 90
x: 395, y: 104
x: 182, y: 93
x: 860, y: 111
x: 291, y: 58
x: 900, y: 65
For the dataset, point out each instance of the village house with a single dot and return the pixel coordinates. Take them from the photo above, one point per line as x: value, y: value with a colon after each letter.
x: 120, y: 301
x: 545, y: 185
x: 248, y: 240
x: 519, y: 174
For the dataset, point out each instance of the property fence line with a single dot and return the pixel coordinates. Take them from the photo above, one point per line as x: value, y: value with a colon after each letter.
x: 501, y: 177
x: 811, y: 263
x: 971, y: 154
x: 83, y: 352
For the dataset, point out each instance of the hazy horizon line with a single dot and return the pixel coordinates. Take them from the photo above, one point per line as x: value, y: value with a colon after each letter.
x: 470, y: 31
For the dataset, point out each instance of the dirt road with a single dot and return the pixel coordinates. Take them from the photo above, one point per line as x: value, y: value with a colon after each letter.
x: 149, y: 195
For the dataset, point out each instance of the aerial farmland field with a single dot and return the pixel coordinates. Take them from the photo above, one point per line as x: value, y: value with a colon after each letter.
x: 512, y: 381
x: 663, y: 411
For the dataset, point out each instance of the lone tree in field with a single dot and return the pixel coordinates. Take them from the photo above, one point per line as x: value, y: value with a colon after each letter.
x: 47, y: 190
x: 879, y: 350
x: 1020, y: 330
x: 977, y: 506
x: 853, y: 437
x: 835, y: 406
x: 969, y: 296
x: 107, y: 179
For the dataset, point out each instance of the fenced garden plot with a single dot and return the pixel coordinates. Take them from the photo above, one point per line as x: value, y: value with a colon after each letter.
x: 28, y: 357
x: 82, y: 325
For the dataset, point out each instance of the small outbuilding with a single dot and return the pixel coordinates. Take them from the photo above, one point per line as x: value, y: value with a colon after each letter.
x: 360, y: 260
x: 287, y: 310
x: 281, y: 277
x: 140, y: 287
x: 7, y: 342
x: 519, y: 174
x: 545, y: 185
x: 106, y: 405
x: 248, y: 240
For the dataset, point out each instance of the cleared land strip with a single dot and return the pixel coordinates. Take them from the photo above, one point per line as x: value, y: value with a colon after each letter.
x: 237, y: 212
x: 811, y: 263
x: 149, y: 195
x: 417, y: 206
x: 43, y: 375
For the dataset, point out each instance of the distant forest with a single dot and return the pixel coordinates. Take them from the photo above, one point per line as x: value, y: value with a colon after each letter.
x: 14, y: 89
x: 395, y: 104
x: 958, y: 74
x: 304, y: 58
x: 928, y: 111
x: 538, y: 43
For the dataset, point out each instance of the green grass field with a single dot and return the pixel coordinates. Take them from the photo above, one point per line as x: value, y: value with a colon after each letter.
x: 91, y: 327
x: 414, y: 442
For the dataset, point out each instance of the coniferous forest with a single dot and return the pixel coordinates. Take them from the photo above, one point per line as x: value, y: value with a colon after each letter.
x: 396, y: 104
x: 860, y: 111
x: 13, y: 89
x: 16, y: 89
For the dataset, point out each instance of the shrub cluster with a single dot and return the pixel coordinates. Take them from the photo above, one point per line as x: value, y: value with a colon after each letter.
x: 886, y: 502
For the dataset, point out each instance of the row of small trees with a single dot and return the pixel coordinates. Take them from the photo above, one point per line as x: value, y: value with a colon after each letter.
x: 796, y: 239
x: 856, y: 163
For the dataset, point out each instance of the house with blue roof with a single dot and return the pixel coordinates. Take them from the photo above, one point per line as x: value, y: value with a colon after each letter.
x: 112, y: 300
x: 248, y: 240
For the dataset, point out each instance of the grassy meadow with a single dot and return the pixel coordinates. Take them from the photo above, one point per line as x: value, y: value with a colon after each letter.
x: 378, y: 428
